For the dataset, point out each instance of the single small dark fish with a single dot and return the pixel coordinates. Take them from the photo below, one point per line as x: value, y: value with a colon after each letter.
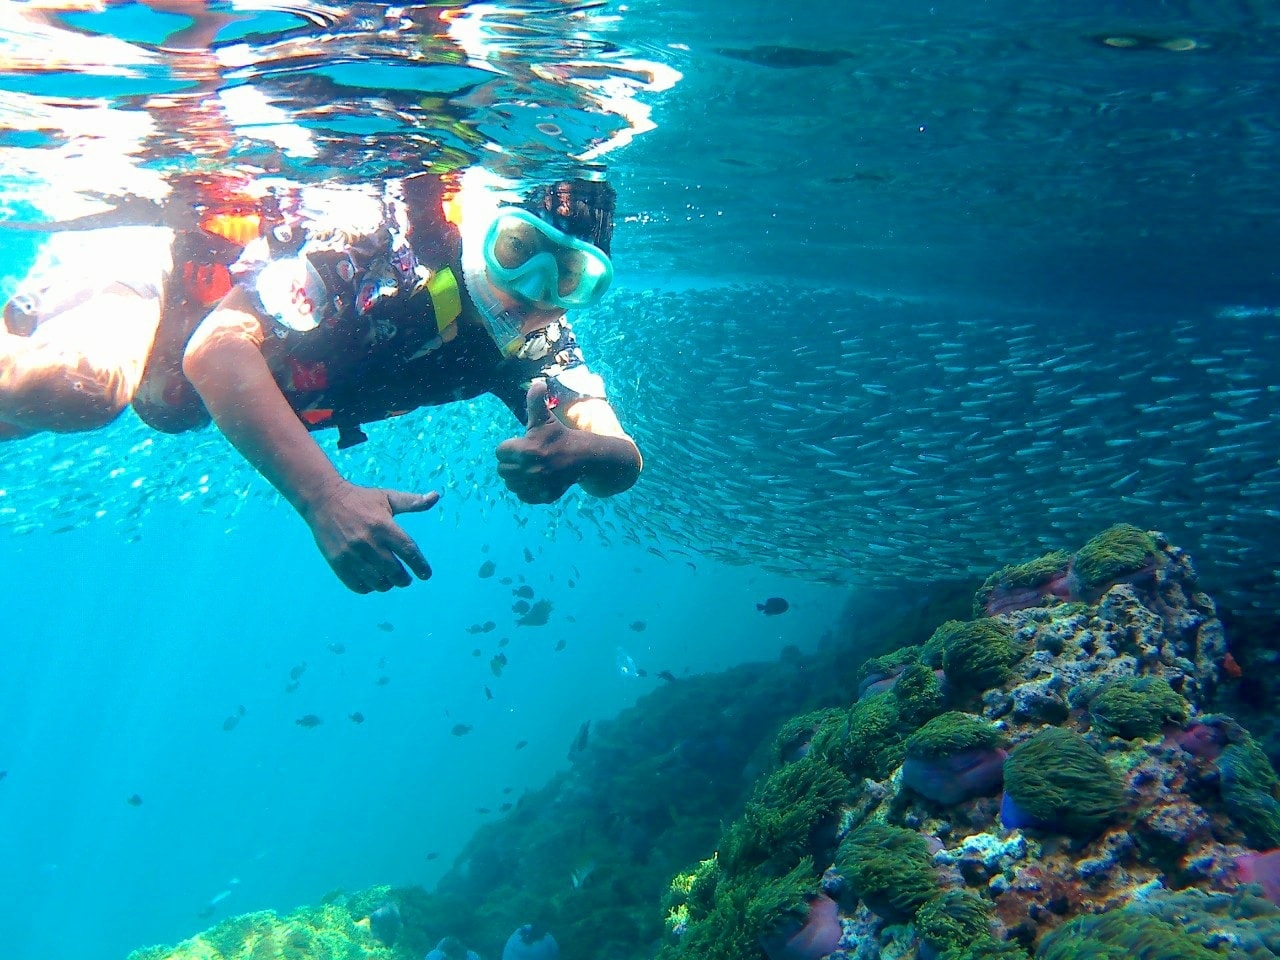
x: 488, y: 694
x: 505, y: 807
x: 580, y: 741
x: 572, y: 583
x: 497, y: 663
x: 667, y: 675
x: 134, y: 801
x: 309, y: 721
x: 486, y: 570
x: 477, y: 652
x: 483, y: 810
x: 383, y: 680
x: 537, y: 616
x: 386, y: 626
x: 475, y: 628
x: 506, y: 581
x: 432, y: 855
x: 488, y: 626
x: 773, y: 606
x: 525, y: 591
x: 506, y: 789
x: 638, y: 626
x: 521, y: 744
x: 520, y: 607
x: 461, y: 729
x: 292, y: 686
x: 504, y: 641
x: 528, y: 555
x: 229, y: 724
x: 296, y: 672
x: 641, y: 672
x: 561, y: 644
x: 336, y: 647
x: 356, y: 717
x: 241, y: 711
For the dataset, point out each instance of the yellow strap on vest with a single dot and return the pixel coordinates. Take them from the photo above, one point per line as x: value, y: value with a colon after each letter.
x: 445, y: 298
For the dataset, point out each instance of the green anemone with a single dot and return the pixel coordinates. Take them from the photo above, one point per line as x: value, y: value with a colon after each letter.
x: 1122, y: 935
x: 1033, y: 573
x: 1115, y: 553
x: 952, y: 733
x: 1060, y: 781
x: 1136, y: 707
x: 1250, y: 791
x: 890, y: 868
x: 975, y: 655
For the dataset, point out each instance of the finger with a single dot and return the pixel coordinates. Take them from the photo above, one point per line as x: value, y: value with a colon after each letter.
x: 404, y: 547
x: 401, y: 502
x: 535, y: 403
x: 511, y: 451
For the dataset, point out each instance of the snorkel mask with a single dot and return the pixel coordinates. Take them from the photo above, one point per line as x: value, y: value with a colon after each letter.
x: 533, y: 260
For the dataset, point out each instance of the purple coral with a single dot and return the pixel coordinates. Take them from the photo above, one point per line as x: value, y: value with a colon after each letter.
x: 953, y: 779
x: 819, y: 935
x: 1262, y: 869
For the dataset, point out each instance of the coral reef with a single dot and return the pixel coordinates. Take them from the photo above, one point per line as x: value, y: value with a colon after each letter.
x: 1125, y: 806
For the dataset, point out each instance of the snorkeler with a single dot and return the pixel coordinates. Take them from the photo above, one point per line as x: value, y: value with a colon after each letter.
x: 326, y: 307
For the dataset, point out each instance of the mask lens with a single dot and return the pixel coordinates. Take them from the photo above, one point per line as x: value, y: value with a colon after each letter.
x: 526, y: 256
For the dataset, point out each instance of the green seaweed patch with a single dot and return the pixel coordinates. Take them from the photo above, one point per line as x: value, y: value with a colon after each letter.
x: 890, y: 868
x: 1115, y: 553
x: 1122, y: 935
x: 1136, y: 707
x: 723, y: 933
x: 919, y: 694
x: 950, y: 734
x: 786, y: 818
x: 1017, y: 576
x: 691, y: 895
x: 975, y: 655
x: 1060, y: 781
x: 1251, y: 792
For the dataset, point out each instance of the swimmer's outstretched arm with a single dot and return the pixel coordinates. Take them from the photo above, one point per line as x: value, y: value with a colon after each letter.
x: 353, y: 525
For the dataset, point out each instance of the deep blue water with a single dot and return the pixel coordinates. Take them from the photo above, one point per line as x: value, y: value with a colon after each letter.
x: 989, y: 157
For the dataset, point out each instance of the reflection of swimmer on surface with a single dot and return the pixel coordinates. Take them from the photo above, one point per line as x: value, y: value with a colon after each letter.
x: 280, y: 313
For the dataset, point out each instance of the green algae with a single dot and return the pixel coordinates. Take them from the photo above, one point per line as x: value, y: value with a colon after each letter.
x: 1059, y: 780
x: 890, y: 868
x: 1136, y: 707
x: 954, y: 919
x: 952, y: 733
x: 1016, y: 576
x: 875, y: 740
x: 1115, y: 553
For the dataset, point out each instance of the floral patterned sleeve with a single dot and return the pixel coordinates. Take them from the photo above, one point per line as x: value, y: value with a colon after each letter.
x: 553, y: 353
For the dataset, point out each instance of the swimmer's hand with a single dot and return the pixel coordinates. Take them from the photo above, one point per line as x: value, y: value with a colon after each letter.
x: 357, y: 536
x: 550, y: 458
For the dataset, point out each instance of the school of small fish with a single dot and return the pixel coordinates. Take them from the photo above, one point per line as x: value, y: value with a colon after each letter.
x: 819, y: 433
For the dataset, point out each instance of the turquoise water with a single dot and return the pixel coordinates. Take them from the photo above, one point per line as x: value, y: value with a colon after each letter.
x: 903, y: 296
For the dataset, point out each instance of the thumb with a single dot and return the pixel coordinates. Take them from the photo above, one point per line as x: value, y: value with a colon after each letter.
x: 401, y: 502
x: 536, y: 404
